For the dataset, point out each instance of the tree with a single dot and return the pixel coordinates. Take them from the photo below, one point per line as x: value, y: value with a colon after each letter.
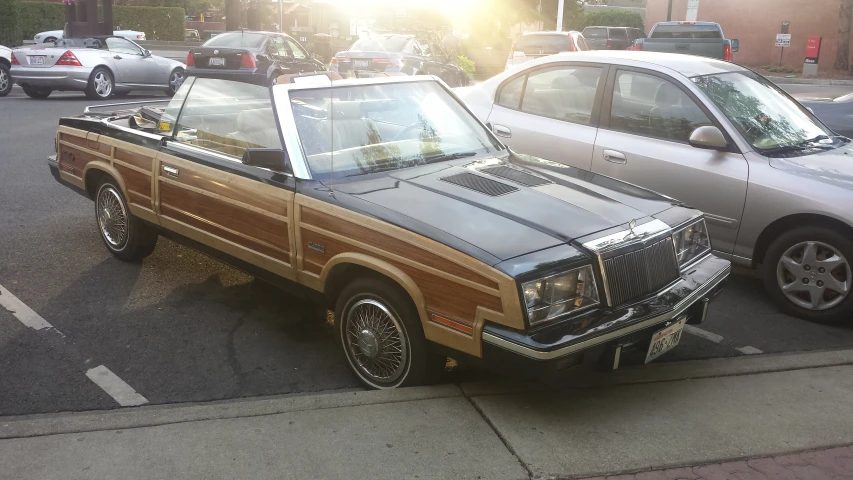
x: 845, y: 18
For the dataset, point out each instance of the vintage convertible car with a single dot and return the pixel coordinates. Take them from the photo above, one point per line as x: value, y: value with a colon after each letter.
x: 387, y: 199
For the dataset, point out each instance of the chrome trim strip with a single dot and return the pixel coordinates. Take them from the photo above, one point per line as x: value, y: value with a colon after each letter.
x: 676, y: 311
x: 639, y: 233
x: 721, y: 221
x: 292, y: 144
x: 88, y: 108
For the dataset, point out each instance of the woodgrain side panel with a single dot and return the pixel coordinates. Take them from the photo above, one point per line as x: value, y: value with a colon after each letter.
x: 89, y: 144
x: 391, y: 244
x: 137, y: 160
x: 74, y: 159
x: 138, y: 186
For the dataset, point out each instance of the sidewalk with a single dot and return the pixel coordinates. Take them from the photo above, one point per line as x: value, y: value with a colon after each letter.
x: 641, y: 419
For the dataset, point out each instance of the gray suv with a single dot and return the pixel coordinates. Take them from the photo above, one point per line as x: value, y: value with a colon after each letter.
x: 776, y: 184
x: 611, y: 38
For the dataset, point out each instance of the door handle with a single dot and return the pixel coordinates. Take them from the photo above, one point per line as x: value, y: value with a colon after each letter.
x: 502, y: 131
x: 117, y: 57
x: 171, y: 171
x: 613, y: 156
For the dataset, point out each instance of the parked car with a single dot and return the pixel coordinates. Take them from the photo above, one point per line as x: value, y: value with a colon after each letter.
x: 54, y: 35
x: 5, y: 66
x: 611, y: 38
x: 250, y: 56
x: 390, y: 203
x: 776, y: 184
x: 395, y: 53
x: 532, y: 45
x: 191, y: 35
x: 100, y: 66
x: 836, y: 113
x: 705, y: 39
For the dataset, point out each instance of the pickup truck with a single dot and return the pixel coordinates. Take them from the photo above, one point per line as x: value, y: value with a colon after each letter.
x: 704, y: 39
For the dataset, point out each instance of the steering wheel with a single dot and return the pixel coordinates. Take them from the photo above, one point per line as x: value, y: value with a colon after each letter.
x: 407, y: 129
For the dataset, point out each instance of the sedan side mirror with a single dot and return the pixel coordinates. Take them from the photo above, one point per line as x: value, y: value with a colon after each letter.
x: 273, y: 158
x: 146, y: 53
x: 708, y: 137
x: 735, y: 45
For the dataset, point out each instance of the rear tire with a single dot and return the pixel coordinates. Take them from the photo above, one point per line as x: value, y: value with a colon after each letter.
x: 176, y: 79
x: 101, y: 84
x: 379, y: 330
x: 36, y: 93
x: 5, y: 81
x: 125, y: 236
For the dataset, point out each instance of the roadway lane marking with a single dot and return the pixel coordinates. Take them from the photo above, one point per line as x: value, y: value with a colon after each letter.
x: 22, y: 312
x: 702, y: 333
x: 749, y: 350
x: 115, y: 387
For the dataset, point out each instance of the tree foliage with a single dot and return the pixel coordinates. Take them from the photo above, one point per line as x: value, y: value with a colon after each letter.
x: 10, y: 31
x: 609, y: 18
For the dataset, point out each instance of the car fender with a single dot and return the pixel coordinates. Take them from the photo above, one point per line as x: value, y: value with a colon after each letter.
x: 104, y: 167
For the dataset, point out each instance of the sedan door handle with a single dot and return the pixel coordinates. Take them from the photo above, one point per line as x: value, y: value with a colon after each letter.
x: 117, y: 57
x: 615, y: 157
x: 502, y: 131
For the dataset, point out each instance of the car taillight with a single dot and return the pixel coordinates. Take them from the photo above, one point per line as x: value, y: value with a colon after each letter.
x: 69, y: 60
x: 727, y: 53
x: 247, y: 60
x: 609, y: 43
x: 15, y: 60
x: 140, y: 37
x: 190, y: 60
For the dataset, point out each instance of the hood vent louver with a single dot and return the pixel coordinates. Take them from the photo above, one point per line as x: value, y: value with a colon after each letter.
x: 480, y: 184
x: 517, y: 176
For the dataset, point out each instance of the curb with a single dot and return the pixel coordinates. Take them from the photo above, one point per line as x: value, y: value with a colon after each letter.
x: 809, y: 81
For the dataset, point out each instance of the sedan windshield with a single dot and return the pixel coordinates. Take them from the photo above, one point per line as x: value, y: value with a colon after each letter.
x: 770, y: 121
x: 394, y: 43
x: 356, y: 130
x: 236, y: 40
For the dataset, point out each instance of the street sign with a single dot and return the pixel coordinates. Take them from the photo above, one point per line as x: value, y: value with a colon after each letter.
x: 783, y: 39
x: 812, y: 49
x: 692, y: 10
x: 785, y: 26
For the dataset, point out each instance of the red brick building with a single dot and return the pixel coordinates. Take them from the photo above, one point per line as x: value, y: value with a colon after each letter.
x: 756, y: 22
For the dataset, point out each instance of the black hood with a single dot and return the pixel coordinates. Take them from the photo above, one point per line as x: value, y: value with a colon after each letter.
x: 504, y: 208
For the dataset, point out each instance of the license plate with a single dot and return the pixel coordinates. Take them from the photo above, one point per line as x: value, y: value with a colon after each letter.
x: 665, y: 340
x: 37, y: 60
x: 216, y: 62
x: 360, y: 63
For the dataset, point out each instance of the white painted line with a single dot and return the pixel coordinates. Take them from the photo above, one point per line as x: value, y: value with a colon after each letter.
x: 115, y: 387
x: 22, y: 312
x: 702, y: 333
x: 749, y: 350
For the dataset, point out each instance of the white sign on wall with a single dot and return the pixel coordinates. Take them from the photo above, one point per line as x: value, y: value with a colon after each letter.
x: 783, y: 39
x: 692, y: 10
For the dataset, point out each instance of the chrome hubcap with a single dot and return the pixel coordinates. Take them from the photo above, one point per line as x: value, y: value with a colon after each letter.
x: 176, y: 80
x: 103, y: 84
x: 375, y: 342
x: 814, y: 275
x: 4, y: 80
x: 112, y: 218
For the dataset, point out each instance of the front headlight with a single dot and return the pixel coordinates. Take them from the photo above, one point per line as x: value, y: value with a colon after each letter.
x: 549, y: 297
x: 691, y: 242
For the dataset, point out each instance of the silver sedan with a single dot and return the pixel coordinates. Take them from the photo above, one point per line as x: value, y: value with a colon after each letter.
x: 776, y: 184
x: 100, y: 66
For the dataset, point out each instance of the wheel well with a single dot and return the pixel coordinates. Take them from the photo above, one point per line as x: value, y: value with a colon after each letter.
x: 784, y: 224
x: 93, y: 177
x: 5, y: 63
x: 342, y: 274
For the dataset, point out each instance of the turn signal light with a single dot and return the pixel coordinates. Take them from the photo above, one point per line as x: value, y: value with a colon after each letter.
x: 15, y: 60
x: 609, y: 43
x: 247, y: 60
x: 190, y: 60
x: 727, y: 53
x: 69, y: 60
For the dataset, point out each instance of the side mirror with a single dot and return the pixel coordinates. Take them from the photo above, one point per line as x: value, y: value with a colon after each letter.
x: 708, y: 137
x: 273, y: 158
x: 735, y: 45
x: 146, y: 53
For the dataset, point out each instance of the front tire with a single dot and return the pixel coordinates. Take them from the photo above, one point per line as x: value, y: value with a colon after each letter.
x: 125, y: 236
x: 101, y: 84
x: 36, y: 93
x: 176, y: 79
x: 807, y: 272
x: 5, y: 81
x: 379, y: 329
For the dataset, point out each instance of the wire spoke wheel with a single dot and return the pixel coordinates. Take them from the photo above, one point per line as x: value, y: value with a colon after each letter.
x: 814, y: 275
x: 112, y: 218
x: 376, y: 342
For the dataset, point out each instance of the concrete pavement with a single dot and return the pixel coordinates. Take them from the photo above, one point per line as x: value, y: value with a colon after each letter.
x: 642, y: 418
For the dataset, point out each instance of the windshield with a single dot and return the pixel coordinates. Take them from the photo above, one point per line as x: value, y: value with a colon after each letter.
x: 687, y: 31
x: 372, y: 128
x: 766, y: 118
x: 236, y: 40
x: 381, y: 44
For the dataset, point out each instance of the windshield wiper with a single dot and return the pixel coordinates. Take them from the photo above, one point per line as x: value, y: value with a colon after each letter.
x: 815, y: 142
x: 449, y: 156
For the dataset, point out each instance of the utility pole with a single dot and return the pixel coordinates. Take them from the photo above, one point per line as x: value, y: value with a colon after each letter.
x: 560, y: 15
x: 669, y: 12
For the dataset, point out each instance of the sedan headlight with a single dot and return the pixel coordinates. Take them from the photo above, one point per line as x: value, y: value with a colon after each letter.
x: 691, y: 242
x: 549, y: 297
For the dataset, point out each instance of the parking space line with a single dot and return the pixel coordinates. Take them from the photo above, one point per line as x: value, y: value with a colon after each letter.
x: 115, y: 387
x: 702, y: 333
x: 22, y: 312
x: 749, y: 350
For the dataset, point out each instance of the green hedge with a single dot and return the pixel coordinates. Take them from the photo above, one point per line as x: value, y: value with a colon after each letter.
x: 10, y: 32
x: 158, y: 23
x: 610, y: 18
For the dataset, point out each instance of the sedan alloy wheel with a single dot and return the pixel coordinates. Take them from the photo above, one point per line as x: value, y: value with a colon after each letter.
x: 814, y: 275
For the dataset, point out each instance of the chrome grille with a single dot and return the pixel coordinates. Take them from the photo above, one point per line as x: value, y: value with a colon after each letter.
x: 635, y: 274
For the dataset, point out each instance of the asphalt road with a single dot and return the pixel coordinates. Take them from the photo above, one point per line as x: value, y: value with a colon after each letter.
x: 181, y: 327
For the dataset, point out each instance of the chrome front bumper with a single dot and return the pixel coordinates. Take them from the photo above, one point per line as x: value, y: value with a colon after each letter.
x: 53, y: 78
x: 702, y: 280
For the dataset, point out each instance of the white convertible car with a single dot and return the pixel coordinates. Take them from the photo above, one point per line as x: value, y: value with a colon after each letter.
x: 54, y: 35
